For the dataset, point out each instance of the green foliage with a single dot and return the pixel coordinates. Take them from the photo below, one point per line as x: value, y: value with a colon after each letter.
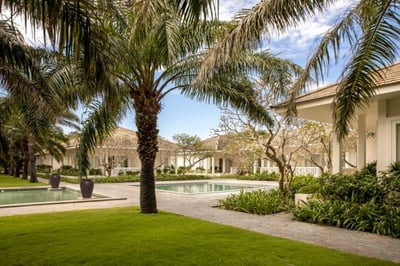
x: 182, y: 170
x: 257, y: 202
x: 111, y: 236
x: 357, y: 187
x: 167, y: 177
x: 305, y: 184
x: 94, y: 171
x: 368, y: 216
x: 369, y: 169
x: 394, y: 169
x: 129, y: 173
x: 43, y: 168
x: 261, y: 176
x: 68, y: 170
x: 361, y: 201
x: 136, y: 178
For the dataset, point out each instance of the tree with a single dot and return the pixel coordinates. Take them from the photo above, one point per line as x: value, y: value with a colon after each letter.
x: 193, y: 150
x: 370, y: 28
x: 36, y: 100
x: 113, y: 152
x: 158, y: 52
x: 284, y: 142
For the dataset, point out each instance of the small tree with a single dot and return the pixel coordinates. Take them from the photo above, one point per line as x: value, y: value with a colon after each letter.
x: 284, y: 142
x: 318, y: 135
x: 193, y: 150
x: 113, y: 152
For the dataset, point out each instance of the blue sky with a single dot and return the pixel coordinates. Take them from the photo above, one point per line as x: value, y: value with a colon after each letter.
x: 183, y: 115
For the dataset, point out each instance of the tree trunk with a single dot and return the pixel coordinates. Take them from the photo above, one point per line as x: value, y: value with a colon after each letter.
x: 32, y: 160
x: 18, y: 167
x: 25, y: 169
x: 11, y: 168
x: 6, y: 169
x: 147, y: 108
x: 26, y: 160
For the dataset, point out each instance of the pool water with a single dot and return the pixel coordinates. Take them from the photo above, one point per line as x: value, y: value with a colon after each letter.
x: 31, y: 195
x: 203, y: 187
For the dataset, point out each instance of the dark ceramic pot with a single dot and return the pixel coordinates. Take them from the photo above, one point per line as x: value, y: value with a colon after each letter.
x: 87, y: 186
x: 54, y: 180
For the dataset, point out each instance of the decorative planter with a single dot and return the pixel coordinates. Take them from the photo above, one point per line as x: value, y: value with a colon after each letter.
x: 301, y: 198
x: 54, y: 180
x: 87, y: 186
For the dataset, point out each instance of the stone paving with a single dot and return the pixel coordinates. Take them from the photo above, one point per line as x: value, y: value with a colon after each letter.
x: 202, y: 206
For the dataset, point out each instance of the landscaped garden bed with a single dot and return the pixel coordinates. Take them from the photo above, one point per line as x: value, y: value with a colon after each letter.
x: 361, y: 201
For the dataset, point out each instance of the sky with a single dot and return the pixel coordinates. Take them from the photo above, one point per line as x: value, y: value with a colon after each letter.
x: 183, y: 115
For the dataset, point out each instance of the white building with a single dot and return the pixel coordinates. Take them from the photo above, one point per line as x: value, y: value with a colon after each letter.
x: 378, y: 125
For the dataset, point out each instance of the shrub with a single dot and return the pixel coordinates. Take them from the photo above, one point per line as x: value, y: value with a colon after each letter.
x: 257, y: 202
x: 166, y: 177
x: 369, y: 216
x: 68, y: 170
x: 360, y: 201
x: 43, y: 168
x: 369, y: 169
x: 261, y: 177
x: 359, y: 187
x: 305, y: 184
x: 94, y: 171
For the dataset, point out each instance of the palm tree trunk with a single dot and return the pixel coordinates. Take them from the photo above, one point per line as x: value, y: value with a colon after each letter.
x: 26, y: 159
x: 146, y: 112
x: 18, y: 165
x: 32, y: 160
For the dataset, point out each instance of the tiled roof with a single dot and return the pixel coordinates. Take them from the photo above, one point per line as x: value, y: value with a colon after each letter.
x: 390, y: 75
x: 216, y: 142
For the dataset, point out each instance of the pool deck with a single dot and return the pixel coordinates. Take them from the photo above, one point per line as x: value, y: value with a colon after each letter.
x: 201, y: 206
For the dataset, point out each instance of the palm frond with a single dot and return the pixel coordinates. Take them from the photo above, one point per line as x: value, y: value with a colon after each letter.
x: 266, y: 18
x: 103, y: 118
x: 378, y: 48
x: 346, y: 30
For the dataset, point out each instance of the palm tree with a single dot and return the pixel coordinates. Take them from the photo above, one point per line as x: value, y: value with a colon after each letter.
x: 370, y: 27
x: 157, y: 53
x: 37, y: 101
x: 160, y: 38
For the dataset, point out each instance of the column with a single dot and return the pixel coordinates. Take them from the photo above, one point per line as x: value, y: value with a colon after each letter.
x: 212, y: 165
x: 382, y: 139
x: 336, y: 155
x: 224, y: 165
x: 361, y: 141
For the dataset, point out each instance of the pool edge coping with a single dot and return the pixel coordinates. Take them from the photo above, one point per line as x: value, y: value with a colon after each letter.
x: 102, y: 197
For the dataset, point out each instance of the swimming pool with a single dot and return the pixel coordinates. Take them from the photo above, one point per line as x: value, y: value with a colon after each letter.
x: 205, y: 187
x: 14, y: 197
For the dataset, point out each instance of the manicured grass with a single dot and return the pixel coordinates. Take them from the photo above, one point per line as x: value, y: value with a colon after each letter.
x: 10, y: 181
x: 123, y: 236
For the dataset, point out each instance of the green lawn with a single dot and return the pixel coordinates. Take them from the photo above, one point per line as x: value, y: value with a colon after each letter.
x: 10, y: 181
x: 123, y: 236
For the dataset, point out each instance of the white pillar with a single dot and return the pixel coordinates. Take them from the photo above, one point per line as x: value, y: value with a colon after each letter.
x: 212, y: 165
x: 176, y: 163
x: 382, y: 139
x: 224, y: 165
x: 361, y: 142
x: 336, y: 155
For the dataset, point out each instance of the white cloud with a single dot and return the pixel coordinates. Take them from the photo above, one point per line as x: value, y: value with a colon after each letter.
x: 228, y: 9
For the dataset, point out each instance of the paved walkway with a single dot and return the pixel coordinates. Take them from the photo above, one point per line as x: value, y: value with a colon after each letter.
x: 201, y: 206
